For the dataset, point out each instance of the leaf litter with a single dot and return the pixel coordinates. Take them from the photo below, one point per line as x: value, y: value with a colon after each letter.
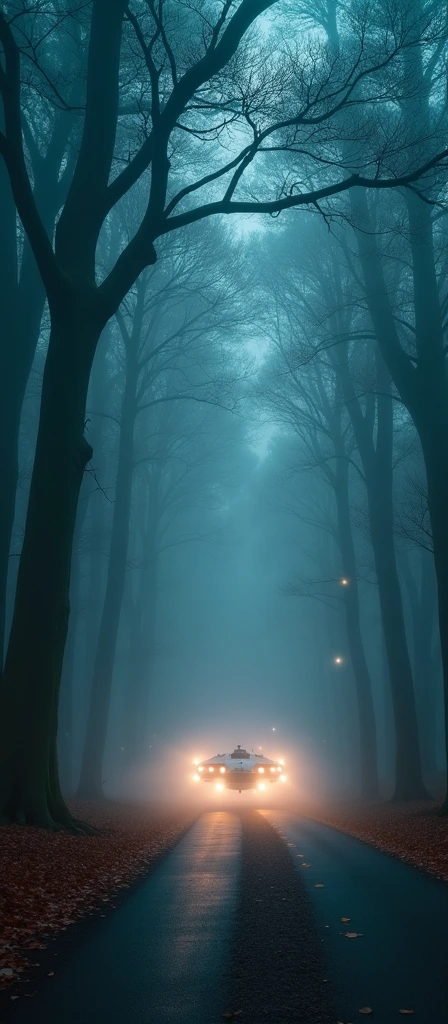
x: 412, y: 832
x: 49, y: 880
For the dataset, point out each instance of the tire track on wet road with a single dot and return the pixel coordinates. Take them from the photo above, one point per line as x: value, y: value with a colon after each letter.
x: 277, y: 970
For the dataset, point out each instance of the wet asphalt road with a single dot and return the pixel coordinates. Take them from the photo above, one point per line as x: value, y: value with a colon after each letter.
x: 400, y: 960
x: 196, y: 936
x: 160, y: 958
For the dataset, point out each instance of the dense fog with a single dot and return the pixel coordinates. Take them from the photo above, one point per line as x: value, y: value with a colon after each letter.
x: 223, y: 395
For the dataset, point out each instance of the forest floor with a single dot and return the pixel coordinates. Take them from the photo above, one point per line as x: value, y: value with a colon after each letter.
x: 412, y: 832
x: 50, y: 880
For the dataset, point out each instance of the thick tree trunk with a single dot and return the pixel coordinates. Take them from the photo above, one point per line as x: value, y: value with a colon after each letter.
x: 367, y: 726
x: 65, y: 737
x: 91, y: 778
x: 97, y: 541
x: 97, y: 533
x: 65, y: 714
x: 22, y: 300
x: 29, y: 693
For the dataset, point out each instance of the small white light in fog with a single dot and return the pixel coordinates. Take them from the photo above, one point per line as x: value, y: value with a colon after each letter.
x: 219, y: 786
x: 196, y: 760
x: 273, y: 728
x: 280, y: 762
x: 282, y: 778
x: 261, y: 786
x: 222, y: 770
x: 261, y: 771
x: 196, y: 778
x: 211, y: 769
x: 201, y: 768
x: 338, y: 660
x: 272, y: 769
x: 344, y: 583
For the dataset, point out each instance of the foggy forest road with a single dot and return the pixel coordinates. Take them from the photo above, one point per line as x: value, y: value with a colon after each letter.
x: 233, y: 918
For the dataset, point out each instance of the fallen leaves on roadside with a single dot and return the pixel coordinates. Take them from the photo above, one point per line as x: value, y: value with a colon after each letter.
x: 306, y: 865
x: 353, y: 935
x: 319, y: 885
x: 49, y: 880
x: 366, y: 1009
x: 413, y: 832
x: 406, y: 1011
x: 345, y: 920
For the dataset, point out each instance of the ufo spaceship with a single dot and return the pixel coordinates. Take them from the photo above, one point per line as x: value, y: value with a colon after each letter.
x: 240, y: 771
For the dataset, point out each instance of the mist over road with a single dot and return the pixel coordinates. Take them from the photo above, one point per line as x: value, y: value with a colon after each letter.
x: 243, y: 917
